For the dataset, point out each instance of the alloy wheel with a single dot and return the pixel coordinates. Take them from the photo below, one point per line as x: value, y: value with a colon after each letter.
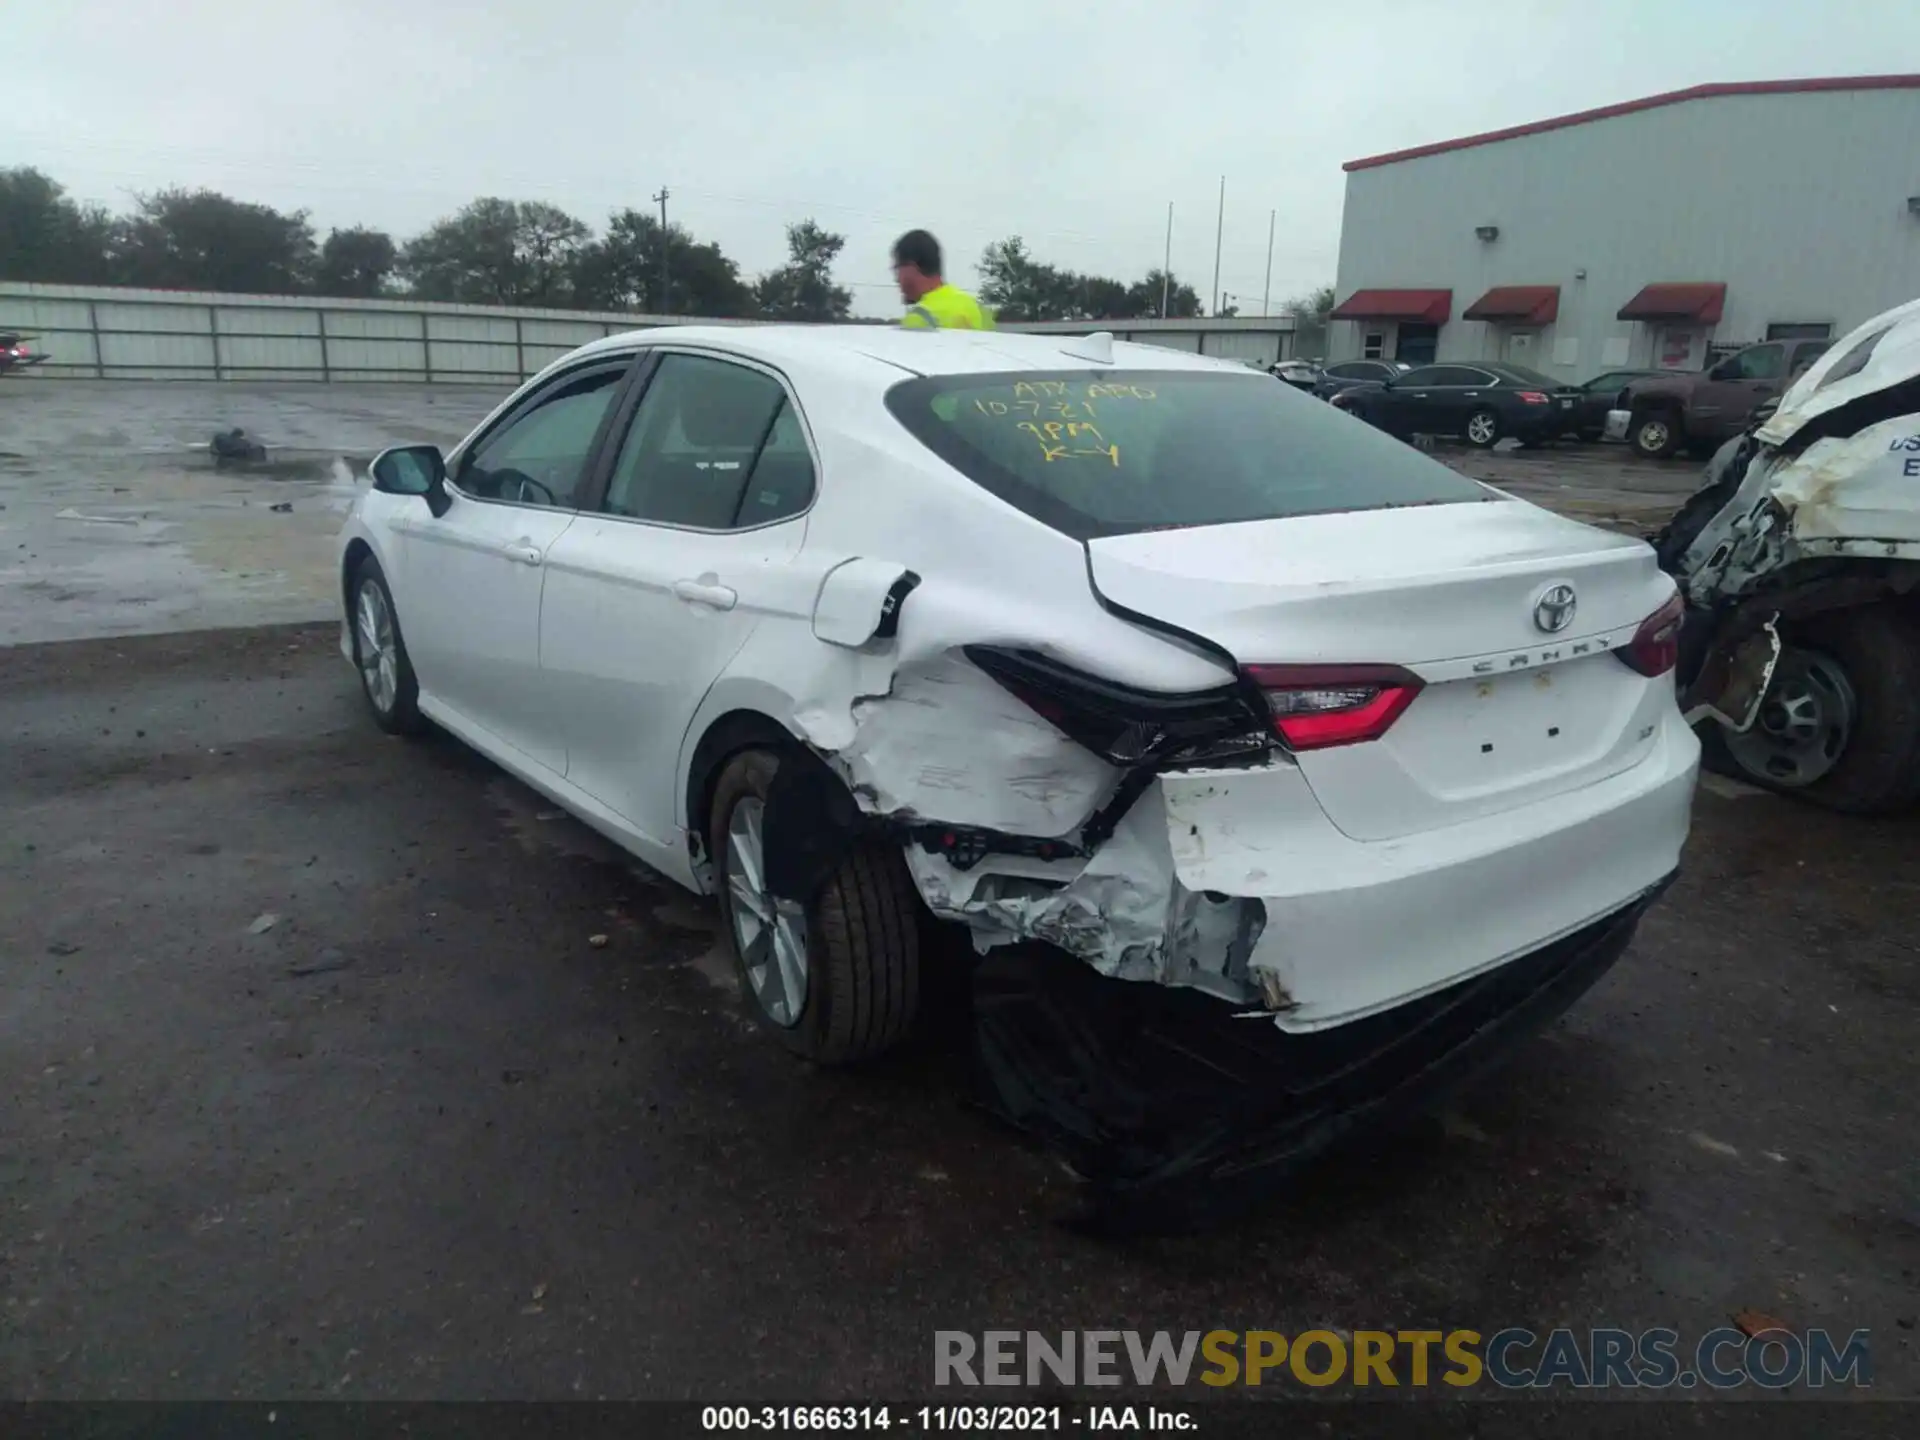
x: 1654, y: 436
x: 375, y: 647
x: 771, y: 934
x: 1482, y: 428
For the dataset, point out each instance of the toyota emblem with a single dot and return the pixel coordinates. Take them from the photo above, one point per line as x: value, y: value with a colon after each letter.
x: 1553, y: 611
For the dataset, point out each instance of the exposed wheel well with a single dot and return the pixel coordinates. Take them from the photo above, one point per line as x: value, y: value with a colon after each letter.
x: 726, y: 737
x: 357, y: 551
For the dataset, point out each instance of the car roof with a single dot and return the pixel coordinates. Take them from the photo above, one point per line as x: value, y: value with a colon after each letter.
x: 914, y: 352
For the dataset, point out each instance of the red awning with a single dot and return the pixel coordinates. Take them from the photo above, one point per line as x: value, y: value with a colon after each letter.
x: 1517, y: 305
x: 1425, y: 307
x: 1697, y: 302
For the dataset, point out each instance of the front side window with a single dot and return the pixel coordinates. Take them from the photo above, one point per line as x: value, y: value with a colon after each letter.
x: 1809, y: 351
x: 1759, y: 362
x: 713, y: 446
x: 539, y: 456
x: 1113, y: 452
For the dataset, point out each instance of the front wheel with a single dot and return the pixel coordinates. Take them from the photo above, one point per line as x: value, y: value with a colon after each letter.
x: 1483, y: 428
x: 1840, y: 726
x: 836, y: 980
x: 1654, y: 435
x: 380, y: 654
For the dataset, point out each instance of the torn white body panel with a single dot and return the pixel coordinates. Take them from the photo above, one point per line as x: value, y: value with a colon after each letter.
x: 1355, y: 927
x: 1122, y: 911
x: 1856, y: 495
x: 946, y: 743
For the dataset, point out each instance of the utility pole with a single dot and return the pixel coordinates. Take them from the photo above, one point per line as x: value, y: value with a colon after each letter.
x: 666, y: 292
x: 1266, y: 292
x: 1166, y: 265
x: 1219, y: 228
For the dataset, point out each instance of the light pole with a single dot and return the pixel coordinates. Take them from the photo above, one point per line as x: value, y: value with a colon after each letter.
x: 1166, y: 264
x: 666, y: 292
x: 1266, y: 292
x: 1219, y: 229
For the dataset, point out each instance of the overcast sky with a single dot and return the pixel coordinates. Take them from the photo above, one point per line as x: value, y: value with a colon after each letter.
x: 1072, y: 124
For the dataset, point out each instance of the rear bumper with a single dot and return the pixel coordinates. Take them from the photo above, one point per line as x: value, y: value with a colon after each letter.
x: 1356, y: 928
x: 1176, y: 1112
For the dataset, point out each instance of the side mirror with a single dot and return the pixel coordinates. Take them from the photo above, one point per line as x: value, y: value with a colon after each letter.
x: 414, y: 470
x: 1722, y: 371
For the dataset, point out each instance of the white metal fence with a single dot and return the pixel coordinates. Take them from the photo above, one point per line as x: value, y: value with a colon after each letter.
x: 108, y: 333
x: 116, y: 334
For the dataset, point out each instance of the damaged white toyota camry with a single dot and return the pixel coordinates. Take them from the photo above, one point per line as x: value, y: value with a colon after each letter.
x: 1131, y: 652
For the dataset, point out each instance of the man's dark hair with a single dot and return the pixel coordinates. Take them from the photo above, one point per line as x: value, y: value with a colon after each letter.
x: 919, y: 249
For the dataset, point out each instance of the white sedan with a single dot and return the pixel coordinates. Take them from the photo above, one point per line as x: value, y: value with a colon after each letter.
x: 1128, y: 651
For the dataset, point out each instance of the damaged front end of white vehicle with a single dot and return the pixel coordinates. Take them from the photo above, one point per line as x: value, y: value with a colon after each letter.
x: 1798, y: 560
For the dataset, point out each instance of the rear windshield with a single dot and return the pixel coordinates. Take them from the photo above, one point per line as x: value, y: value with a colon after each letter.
x: 1109, y: 452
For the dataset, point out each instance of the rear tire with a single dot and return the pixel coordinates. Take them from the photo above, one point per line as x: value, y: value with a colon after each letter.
x: 860, y: 938
x: 380, y: 654
x: 1483, y: 429
x: 1655, y: 434
x: 1841, y: 725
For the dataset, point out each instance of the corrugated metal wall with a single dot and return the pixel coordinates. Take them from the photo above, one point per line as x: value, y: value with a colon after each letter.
x: 1797, y: 201
x: 116, y: 334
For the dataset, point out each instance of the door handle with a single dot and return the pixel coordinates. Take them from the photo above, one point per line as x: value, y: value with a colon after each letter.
x: 524, y: 551
x: 694, y: 592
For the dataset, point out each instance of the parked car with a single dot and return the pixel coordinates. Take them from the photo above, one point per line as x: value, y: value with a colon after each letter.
x: 1799, y: 559
x: 1129, y: 652
x: 16, y: 353
x: 1301, y: 374
x: 1601, y: 394
x: 1482, y: 403
x: 1698, y: 411
x: 1345, y: 373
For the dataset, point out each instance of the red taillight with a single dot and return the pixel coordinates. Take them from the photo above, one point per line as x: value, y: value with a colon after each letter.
x: 1655, y: 647
x: 1534, y: 397
x: 1315, y: 706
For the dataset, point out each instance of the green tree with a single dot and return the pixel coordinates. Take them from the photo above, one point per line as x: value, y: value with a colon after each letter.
x: 1183, y: 301
x: 498, y: 252
x: 1311, y: 314
x: 47, y: 237
x: 356, y: 263
x: 803, y: 288
x: 621, y: 271
x: 202, y: 240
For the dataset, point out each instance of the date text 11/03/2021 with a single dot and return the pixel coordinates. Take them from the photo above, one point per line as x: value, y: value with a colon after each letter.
x: 934, y: 1419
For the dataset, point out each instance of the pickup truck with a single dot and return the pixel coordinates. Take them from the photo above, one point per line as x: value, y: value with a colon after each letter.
x: 1698, y: 412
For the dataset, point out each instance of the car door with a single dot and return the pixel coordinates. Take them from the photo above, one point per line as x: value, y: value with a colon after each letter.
x: 1597, y: 397
x: 1727, y: 395
x: 1463, y: 389
x: 1415, y: 400
x: 664, y: 575
x: 471, y: 612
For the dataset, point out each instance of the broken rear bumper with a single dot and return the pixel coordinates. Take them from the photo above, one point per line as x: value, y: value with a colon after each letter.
x: 1174, y: 1111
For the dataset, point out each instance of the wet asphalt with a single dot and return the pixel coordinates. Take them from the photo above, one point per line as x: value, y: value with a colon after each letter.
x: 313, y: 1083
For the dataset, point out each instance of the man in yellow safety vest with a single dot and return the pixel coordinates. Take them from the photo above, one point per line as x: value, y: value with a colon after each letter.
x: 934, y: 304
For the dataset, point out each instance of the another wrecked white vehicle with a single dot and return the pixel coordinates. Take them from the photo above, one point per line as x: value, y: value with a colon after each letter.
x: 1799, y: 560
x: 1131, y: 652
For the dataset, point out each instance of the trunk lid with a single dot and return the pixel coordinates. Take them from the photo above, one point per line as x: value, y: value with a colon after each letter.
x: 1510, y: 713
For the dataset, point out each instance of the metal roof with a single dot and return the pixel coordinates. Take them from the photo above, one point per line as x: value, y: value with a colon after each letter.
x: 1651, y: 102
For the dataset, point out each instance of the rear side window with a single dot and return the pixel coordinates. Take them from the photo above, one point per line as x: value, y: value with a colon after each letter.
x: 1112, y: 452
